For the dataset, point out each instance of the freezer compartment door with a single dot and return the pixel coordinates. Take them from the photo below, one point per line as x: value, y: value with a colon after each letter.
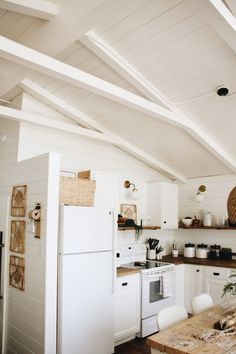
x: 85, y: 304
x: 85, y: 229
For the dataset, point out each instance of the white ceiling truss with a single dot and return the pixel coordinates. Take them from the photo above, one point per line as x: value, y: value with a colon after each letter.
x: 59, y: 70
x: 221, y: 19
x: 83, y: 119
x: 119, y: 64
x: 37, y: 8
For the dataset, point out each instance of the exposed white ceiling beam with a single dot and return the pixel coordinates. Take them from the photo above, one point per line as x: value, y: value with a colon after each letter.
x: 37, y: 61
x: 36, y: 8
x: 76, y: 115
x: 57, y: 69
x: 26, y: 117
x: 120, y: 65
x: 231, y: 4
x: 221, y: 19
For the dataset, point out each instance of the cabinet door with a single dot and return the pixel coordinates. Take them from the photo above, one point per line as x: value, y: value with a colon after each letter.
x: 215, y: 279
x: 193, y: 286
x: 169, y: 206
x: 214, y: 287
x: 162, y: 205
x: 179, y: 285
x: 127, y: 306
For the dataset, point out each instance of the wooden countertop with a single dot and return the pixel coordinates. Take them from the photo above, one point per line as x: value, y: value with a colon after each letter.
x: 125, y: 271
x: 180, y: 339
x: 199, y: 261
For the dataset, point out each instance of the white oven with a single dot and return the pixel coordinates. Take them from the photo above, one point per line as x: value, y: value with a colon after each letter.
x: 158, y: 292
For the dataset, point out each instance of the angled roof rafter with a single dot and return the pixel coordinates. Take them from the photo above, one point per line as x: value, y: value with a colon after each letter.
x: 120, y: 65
x: 221, y: 19
x: 37, y: 8
x: 76, y: 115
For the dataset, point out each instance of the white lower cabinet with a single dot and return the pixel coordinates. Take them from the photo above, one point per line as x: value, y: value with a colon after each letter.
x: 204, y: 279
x: 179, y: 284
x: 215, y: 279
x: 193, y: 284
x: 127, y: 307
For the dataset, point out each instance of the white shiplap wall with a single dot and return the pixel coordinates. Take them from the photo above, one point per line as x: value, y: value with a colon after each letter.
x: 215, y: 201
x: 31, y: 326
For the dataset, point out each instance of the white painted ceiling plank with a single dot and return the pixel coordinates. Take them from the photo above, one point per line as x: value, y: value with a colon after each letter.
x: 118, y: 63
x: 221, y: 19
x: 70, y: 111
x: 22, y: 116
x: 36, y: 8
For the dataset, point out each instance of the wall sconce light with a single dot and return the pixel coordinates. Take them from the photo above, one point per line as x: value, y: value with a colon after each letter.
x: 199, y: 197
x: 134, y: 194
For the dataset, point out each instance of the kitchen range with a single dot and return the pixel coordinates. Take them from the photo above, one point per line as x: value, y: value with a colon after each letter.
x: 157, y: 285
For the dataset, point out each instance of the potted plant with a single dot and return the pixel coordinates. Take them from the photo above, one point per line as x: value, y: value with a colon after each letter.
x: 230, y: 286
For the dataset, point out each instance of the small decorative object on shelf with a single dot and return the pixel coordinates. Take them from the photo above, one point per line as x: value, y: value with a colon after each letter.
x: 175, y: 251
x: 187, y: 221
x: 196, y: 222
x: 231, y: 206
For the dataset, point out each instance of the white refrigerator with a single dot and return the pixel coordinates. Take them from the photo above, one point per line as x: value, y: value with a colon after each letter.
x: 85, y: 278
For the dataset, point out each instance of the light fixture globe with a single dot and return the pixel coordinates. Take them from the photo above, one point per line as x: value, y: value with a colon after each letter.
x: 199, y: 196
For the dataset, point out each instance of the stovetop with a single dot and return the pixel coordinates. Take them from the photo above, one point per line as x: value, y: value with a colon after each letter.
x: 144, y: 266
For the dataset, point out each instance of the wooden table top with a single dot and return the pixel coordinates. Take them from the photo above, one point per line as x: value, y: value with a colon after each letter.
x: 179, y: 339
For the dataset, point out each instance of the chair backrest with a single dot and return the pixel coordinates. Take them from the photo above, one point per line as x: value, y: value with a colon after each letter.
x: 201, y: 303
x: 171, y: 315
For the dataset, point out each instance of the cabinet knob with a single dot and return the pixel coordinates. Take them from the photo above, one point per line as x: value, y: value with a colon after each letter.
x: 217, y: 274
x: 197, y: 270
x: 124, y: 284
x: 164, y: 222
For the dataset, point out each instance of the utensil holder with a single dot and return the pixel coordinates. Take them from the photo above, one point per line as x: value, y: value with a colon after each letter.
x: 151, y: 254
x: 175, y: 253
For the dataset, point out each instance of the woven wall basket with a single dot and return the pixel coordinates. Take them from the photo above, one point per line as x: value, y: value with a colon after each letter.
x: 76, y: 191
x: 231, y: 206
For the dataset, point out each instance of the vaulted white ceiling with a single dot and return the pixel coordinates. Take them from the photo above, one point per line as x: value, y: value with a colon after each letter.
x: 169, y: 52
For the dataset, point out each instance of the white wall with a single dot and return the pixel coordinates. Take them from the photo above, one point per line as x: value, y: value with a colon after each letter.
x: 78, y: 153
x: 31, y: 323
x: 215, y: 201
x: 9, y: 149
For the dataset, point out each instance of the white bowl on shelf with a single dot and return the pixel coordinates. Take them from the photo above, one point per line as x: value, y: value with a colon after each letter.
x: 187, y: 222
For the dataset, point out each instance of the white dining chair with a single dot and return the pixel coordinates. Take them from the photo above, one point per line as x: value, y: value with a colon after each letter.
x: 171, y: 315
x: 168, y: 317
x: 201, y: 303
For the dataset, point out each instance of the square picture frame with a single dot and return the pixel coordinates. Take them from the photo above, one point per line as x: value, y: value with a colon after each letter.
x: 129, y: 211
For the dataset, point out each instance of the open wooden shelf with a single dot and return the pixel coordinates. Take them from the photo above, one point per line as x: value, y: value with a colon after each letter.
x: 123, y: 228
x: 207, y: 227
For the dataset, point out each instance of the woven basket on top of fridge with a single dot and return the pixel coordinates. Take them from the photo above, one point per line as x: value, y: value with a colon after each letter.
x: 77, y: 191
x: 231, y: 206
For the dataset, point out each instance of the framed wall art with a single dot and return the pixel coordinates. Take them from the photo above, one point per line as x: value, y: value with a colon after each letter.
x: 17, y: 272
x: 17, y: 237
x: 129, y: 211
x: 18, y: 200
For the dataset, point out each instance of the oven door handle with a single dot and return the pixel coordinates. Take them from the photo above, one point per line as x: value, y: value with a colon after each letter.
x: 152, y: 276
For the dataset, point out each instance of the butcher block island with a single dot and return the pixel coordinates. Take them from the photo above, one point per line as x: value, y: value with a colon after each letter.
x: 197, y: 335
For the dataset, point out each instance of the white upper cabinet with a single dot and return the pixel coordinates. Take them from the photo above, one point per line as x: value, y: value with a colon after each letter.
x: 162, y: 205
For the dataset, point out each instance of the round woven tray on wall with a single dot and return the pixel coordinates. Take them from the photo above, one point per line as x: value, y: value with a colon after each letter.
x: 231, y: 206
